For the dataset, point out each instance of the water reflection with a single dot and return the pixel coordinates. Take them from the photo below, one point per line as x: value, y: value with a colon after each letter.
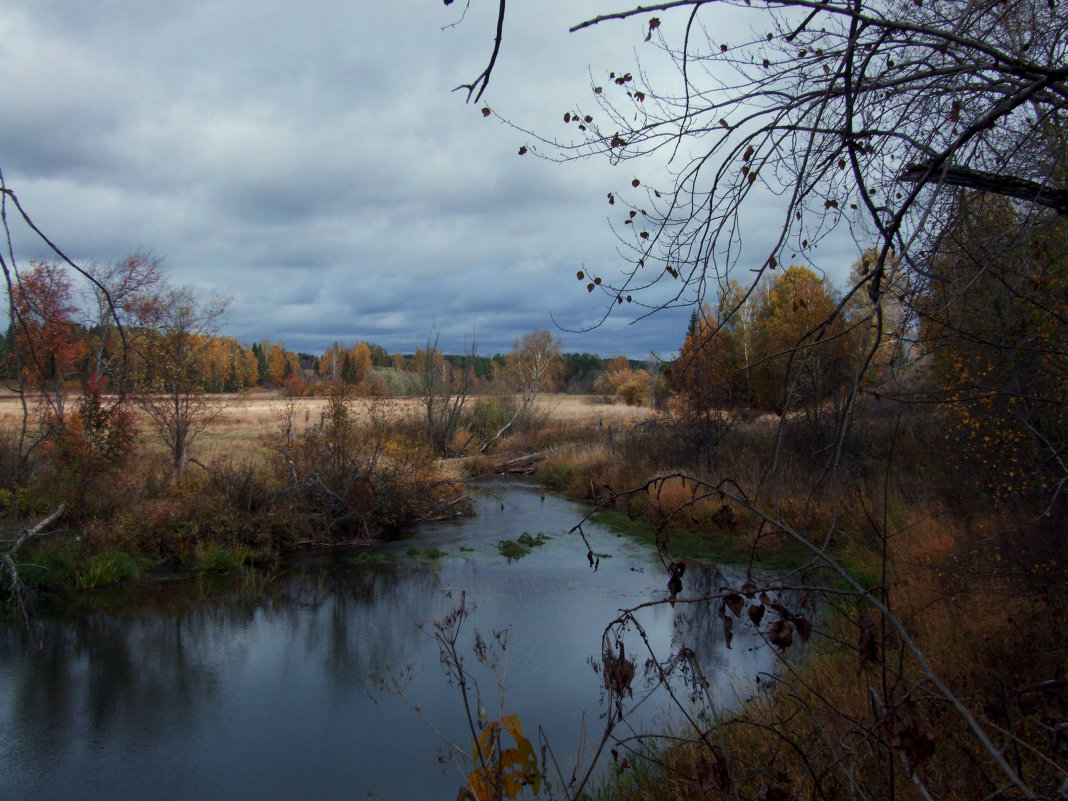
x: 196, y: 690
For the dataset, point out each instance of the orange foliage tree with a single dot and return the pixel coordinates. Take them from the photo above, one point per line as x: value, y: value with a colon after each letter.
x: 803, y: 347
x: 51, y: 346
x: 707, y: 380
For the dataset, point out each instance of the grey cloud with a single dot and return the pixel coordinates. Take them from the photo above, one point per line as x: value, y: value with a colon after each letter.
x: 313, y: 163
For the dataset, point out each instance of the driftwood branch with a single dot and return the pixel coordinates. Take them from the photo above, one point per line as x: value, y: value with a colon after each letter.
x: 10, y: 559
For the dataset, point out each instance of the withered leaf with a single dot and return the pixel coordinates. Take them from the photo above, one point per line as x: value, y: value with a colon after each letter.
x: 735, y: 603
x: 804, y: 628
x: 618, y: 673
x: 728, y: 630
x: 909, y: 730
x: 756, y: 613
x: 674, y: 586
x: 868, y: 645
x: 781, y: 634
x: 485, y: 111
x: 523, y: 150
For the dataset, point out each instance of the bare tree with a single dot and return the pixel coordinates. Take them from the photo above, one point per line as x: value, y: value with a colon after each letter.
x: 172, y: 393
x: 853, y: 114
x: 443, y: 392
x: 532, y: 364
x: 123, y: 295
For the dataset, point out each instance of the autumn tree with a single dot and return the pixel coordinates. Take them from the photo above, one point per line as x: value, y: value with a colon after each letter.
x: 709, y: 382
x: 94, y: 438
x: 332, y: 361
x: 276, y: 364
x: 803, y: 355
x: 360, y: 364
x: 994, y: 342
x: 52, y: 345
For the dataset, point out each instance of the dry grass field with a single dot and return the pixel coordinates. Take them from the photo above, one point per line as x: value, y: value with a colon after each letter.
x: 239, y: 432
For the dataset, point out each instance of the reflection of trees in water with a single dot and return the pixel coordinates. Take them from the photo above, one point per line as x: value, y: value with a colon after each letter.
x: 697, y: 626
x: 100, y: 667
x: 162, y: 653
x: 363, y: 620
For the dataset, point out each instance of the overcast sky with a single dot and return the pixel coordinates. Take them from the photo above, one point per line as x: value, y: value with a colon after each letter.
x: 311, y: 161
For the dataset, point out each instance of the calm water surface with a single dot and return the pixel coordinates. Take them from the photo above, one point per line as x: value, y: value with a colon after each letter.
x: 199, y: 690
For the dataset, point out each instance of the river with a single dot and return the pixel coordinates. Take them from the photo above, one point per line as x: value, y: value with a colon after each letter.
x: 263, y: 686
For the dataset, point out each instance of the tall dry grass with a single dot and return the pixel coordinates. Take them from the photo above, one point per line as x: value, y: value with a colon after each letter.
x: 979, y: 594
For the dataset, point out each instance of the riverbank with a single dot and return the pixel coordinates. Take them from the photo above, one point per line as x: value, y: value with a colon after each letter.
x: 271, y: 689
x: 926, y: 665
x: 923, y: 674
x: 271, y: 476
